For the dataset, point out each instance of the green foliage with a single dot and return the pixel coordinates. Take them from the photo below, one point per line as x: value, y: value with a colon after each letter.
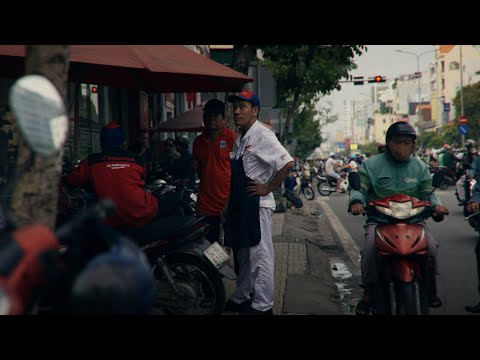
x: 471, y: 109
x: 306, y: 130
x: 308, y: 70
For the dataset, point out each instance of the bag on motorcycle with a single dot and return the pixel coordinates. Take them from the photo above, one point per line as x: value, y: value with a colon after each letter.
x: 293, y: 198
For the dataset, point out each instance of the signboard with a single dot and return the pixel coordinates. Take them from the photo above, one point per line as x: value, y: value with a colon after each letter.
x: 353, y: 146
x: 446, y: 107
x: 341, y: 145
x: 462, y: 120
x: 463, y: 129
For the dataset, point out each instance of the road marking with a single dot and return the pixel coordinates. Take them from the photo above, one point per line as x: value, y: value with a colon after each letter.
x: 349, y: 245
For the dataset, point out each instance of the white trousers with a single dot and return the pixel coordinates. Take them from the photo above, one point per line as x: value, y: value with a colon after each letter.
x: 255, y: 266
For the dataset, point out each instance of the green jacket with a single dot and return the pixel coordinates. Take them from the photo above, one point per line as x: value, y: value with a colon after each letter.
x: 382, y: 176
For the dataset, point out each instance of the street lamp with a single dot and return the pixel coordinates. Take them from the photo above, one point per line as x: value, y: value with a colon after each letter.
x: 418, y: 64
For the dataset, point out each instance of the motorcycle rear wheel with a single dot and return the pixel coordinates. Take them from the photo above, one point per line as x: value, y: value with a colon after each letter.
x: 324, y: 192
x: 202, y: 284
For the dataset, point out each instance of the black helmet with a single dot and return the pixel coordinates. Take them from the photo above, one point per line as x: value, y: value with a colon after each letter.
x: 400, y: 128
x: 470, y: 143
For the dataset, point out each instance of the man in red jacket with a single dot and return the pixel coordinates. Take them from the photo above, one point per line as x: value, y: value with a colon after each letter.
x: 119, y: 175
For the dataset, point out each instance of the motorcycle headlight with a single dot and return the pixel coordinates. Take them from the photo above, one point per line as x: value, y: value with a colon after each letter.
x: 400, y: 210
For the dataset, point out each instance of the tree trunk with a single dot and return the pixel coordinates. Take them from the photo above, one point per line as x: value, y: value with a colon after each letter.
x: 291, y: 110
x: 36, y: 192
x: 242, y: 55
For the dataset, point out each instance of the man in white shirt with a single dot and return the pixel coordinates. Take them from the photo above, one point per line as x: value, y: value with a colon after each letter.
x: 330, y: 169
x: 259, y: 165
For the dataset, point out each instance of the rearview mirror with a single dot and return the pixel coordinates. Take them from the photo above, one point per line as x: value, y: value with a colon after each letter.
x: 40, y: 113
x: 354, y: 180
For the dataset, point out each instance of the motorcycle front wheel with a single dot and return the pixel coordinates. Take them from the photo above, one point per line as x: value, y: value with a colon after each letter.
x: 308, y: 192
x: 201, y: 287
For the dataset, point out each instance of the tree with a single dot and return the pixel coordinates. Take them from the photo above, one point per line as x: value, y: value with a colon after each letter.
x: 303, y: 72
x: 471, y: 109
x: 242, y: 56
x: 36, y: 191
x: 307, y: 131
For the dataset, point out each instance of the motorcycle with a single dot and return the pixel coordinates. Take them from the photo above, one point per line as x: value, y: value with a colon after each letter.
x: 305, y: 186
x: 448, y: 176
x: 188, y: 270
x: 327, y: 184
x: 402, y: 263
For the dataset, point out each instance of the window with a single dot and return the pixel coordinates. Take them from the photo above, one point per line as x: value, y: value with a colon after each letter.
x: 384, y: 121
x: 443, y: 66
x: 443, y: 84
x: 454, y: 65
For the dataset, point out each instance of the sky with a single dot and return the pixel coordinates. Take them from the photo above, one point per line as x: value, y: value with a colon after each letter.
x: 380, y: 60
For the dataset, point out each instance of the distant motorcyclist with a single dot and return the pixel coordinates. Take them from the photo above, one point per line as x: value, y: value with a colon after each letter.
x: 473, y: 207
x: 330, y: 169
x: 466, y: 163
x: 393, y: 172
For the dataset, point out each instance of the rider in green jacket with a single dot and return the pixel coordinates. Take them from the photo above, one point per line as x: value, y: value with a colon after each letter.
x: 390, y: 173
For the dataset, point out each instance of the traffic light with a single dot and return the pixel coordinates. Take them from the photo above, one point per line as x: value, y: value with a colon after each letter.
x: 94, y: 89
x: 376, y: 79
x: 358, y: 80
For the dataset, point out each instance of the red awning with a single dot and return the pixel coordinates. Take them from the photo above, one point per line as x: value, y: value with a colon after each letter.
x: 154, y: 68
x: 191, y: 121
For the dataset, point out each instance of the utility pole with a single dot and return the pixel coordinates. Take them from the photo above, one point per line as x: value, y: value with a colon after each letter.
x: 461, y: 92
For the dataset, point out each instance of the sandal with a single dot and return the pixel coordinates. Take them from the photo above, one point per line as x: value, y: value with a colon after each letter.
x: 363, y: 308
x: 435, y: 302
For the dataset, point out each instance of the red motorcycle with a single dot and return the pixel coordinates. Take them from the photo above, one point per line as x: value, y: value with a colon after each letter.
x: 402, y: 264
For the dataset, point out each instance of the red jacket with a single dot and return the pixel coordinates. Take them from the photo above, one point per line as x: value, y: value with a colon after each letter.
x: 120, y: 176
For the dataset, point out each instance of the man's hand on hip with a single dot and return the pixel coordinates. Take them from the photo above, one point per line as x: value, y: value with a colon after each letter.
x: 255, y: 188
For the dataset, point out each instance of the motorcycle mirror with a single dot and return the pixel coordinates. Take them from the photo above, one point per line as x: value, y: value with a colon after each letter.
x: 354, y: 180
x: 40, y: 113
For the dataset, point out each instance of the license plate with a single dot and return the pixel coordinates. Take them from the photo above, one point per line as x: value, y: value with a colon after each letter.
x: 216, y: 254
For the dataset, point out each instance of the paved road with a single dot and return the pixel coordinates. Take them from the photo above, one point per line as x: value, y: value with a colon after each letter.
x: 457, y: 281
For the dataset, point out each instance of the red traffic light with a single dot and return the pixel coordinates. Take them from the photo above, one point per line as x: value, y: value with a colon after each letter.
x: 94, y: 89
x: 376, y: 79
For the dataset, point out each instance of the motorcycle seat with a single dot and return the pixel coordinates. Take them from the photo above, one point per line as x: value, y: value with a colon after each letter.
x: 167, y: 228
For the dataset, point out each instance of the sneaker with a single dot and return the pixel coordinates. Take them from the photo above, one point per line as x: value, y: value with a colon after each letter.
x: 252, y: 311
x: 234, y: 307
x: 473, y: 309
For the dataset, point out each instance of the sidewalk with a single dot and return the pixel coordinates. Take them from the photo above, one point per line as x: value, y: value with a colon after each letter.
x: 310, y: 272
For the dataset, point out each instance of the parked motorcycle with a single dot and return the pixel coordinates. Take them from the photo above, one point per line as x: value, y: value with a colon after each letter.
x: 402, y: 262
x: 187, y: 268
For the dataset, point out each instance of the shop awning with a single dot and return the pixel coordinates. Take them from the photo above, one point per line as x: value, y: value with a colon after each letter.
x: 154, y: 68
x: 191, y: 121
